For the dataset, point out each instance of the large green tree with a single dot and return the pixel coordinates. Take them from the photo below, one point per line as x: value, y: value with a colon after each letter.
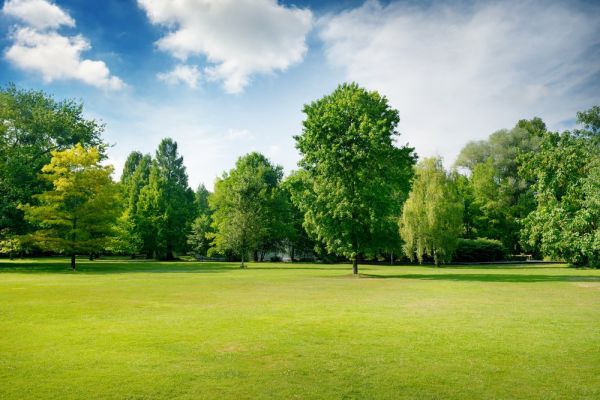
x: 249, y: 211
x: 32, y: 125
x: 565, y: 223
x: 358, y: 177
x: 166, y: 203
x: 432, y: 215
x: 77, y: 214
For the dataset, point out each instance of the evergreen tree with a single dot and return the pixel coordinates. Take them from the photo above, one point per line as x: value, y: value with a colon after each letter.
x: 166, y: 203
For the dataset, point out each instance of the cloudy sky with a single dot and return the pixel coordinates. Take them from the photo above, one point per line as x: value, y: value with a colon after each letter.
x: 225, y: 77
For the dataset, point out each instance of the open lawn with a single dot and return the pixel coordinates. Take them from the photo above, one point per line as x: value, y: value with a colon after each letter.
x: 187, y: 330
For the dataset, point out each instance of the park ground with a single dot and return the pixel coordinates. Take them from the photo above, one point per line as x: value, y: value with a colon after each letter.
x: 188, y: 330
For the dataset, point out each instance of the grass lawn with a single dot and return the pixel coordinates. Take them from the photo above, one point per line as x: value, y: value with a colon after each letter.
x: 149, y: 330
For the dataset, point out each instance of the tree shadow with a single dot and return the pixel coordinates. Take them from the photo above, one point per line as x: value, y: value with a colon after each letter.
x: 518, y: 278
x: 112, y: 267
x: 107, y: 266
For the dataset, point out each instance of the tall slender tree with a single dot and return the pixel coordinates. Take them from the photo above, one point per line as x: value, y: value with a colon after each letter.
x: 167, y: 202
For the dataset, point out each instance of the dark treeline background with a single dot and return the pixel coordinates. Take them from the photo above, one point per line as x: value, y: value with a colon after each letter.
x: 356, y: 195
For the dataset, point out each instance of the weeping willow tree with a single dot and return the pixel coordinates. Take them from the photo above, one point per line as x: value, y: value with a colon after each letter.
x: 432, y: 215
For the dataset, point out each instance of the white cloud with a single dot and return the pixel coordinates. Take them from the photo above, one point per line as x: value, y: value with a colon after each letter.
x: 239, y: 38
x: 462, y: 72
x: 38, y: 46
x: 188, y: 74
x: 39, y: 14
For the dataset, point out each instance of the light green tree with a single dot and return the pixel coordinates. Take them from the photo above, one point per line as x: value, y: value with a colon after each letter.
x: 358, y: 177
x: 78, y: 213
x: 432, y: 216
x: 501, y: 197
x: 247, y: 210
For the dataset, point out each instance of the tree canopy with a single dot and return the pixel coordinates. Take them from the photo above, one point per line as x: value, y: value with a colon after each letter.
x: 357, y: 176
x: 32, y: 125
x: 432, y: 215
x: 565, y: 170
x: 78, y: 213
x: 249, y: 209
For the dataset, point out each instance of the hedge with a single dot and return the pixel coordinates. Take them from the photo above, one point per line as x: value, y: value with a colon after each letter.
x: 479, y: 250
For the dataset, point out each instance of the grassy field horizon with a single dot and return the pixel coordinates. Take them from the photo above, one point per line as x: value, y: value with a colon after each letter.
x: 152, y: 330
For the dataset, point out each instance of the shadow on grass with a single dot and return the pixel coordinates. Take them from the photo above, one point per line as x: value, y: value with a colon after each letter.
x: 58, y: 266
x: 490, y: 277
x: 113, y: 267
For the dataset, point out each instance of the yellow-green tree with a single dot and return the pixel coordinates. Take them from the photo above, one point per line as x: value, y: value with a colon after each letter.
x: 77, y: 215
x: 432, y: 216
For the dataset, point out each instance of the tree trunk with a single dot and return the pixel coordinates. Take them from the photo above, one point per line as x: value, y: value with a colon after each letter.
x: 169, y: 256
x: 355, y: 266
x: 73, y: 262
x: 292, y: 255
x: 242, y: 266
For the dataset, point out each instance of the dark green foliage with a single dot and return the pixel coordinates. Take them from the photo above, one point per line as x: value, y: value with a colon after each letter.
x: 165, y: 204
x: 357, y: 178
x: 479, y: 250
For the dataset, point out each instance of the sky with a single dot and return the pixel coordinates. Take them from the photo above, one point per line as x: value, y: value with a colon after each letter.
x: 227, y: 77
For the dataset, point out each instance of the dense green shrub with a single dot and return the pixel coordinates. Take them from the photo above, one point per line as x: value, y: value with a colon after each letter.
x: 479, y: 250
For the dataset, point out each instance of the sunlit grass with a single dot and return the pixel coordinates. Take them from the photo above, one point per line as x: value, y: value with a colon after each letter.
x: 121, y: 329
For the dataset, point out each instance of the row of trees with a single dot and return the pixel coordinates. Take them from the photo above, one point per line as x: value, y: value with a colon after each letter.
x: 356, y: 194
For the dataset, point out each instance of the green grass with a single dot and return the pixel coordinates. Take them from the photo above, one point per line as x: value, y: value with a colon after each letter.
x: 146, y: 330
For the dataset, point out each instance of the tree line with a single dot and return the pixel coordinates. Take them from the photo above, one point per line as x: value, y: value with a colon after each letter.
x: 356, y: 194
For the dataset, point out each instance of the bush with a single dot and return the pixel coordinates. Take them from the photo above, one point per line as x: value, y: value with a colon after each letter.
x: 479, y: 250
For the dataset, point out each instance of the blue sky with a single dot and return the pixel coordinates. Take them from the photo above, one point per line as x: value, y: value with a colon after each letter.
x: 227, y: 77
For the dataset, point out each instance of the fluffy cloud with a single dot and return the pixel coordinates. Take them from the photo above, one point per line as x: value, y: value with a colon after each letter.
x: 239, y: 38
x: 38, y: 14
x: 459, y: 73
x: 38, y: 47
x: 187, y: 74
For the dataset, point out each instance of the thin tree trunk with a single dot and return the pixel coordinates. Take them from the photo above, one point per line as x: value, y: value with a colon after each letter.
x: 242, y: 266
x: 73, y: 262
x: 355, y: 266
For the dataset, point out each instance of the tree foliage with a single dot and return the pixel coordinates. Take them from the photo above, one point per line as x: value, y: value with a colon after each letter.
x: 32, y: 125
x: 249, y: 210
x: 432, y: 215
x: 77, y: 214
x: 499, y: 197
x: 200, y: 239
x: 565, y: 223
x: 357, y: 177
x: 166, y: 203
